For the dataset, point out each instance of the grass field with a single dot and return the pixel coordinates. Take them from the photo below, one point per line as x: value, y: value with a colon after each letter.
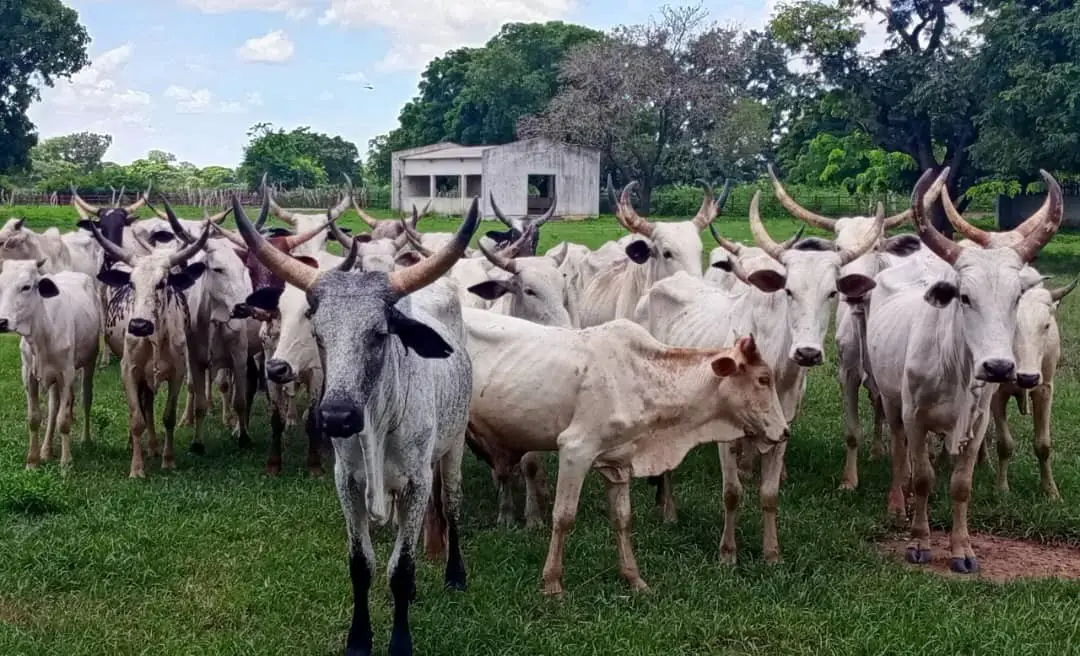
x: 216, y: 558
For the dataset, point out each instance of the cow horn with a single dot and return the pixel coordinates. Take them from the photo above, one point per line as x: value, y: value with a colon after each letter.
x: 408, y: 280
x: 896, y: 220
x: 796, y: 210
x: 1060, y: 292
x: 346, y: 200
x: 977, y: 235
x: 793, y: 239
x: 350, y: 260
x: 368, y: 219
x: 546, y: 216
x: 732, y: 247
x: 424, y: 212
x: 283, y: 266
x: 186, y: 253
x: 277, y: 210
x: 921, y: 203
x: 118, y: 253
x: 147, y: 246
x: 142, y: 200
x: 870, y: 240
x: 879, y: 213
x: 345, y: 240
x: 630, y: 218
x: 231, y: 236
x: 413, y: 237
x: 1047, y: 224
x: 724, y: 193
x: 708, y: 210
x: 1028, y: 225
x: 218, y: 218
x: 501, y: 259
x: 514, y: 249
x: 119, y: 196
x: 498, y: 213
x: 292, y: 241
x: 174, y: 222
x: 79, y: 203
x: 761, y: 235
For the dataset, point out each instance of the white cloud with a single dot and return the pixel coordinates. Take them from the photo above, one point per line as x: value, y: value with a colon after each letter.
x: 254, y: 99
x: 423, y: 29
x: 94, y: 91
x: 273, y: 48
x: 201, y: 101
x: 326, y: 96
x: 297, y: 8
x: 358, y: 76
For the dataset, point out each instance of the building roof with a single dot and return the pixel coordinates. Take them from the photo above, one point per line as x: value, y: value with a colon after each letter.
x: 453, y: 152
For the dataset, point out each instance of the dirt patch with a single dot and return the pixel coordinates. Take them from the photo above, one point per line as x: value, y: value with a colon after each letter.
x: 1000, y: 559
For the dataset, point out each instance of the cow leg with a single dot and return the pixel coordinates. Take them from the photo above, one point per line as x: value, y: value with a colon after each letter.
x: 223, y: 383
x: 361, y: 560
x: 188, y: 418
x: 168, y: 458
x: 449, y: 489
x: 772, y: 465
x: 665, y: 497
x: 878, y: 447
x: 729, y: 467
x: 87, y: 399
x: 64, y: 417
x: 33, y: 418
x: 50, y: 421
x: 238, y: 399
x: 503, y: 473
x: 198, y: 384
x: 434, y: 530
x: 137, y: 422
x: 573, y: 465
x: 923, y: 481
x: 253, y: 377
x: 314, y: 440
x: 901, y: 472
x: 1042, y: 400
x: 1006, y: 445
x: 289, y: 395
x: 277, y: 428
x: 962, y: 557
x: 536, y: 489
x: 411, y: 503
x: 622, y: 520
x: 850, y: 384
x: 146, y: 404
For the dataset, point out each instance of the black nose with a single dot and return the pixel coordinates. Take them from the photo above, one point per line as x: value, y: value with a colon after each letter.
x: 998, y: 370
x: 141, y: 327
x: 1027, y: 381
x: 340, y: 418
x: 808, y: 356
x: 240, y: 311
x: 279, y: 372
x: 4, y: 327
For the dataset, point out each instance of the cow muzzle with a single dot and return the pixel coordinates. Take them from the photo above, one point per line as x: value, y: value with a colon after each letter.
x: 340, y: 418
x: 140, y: 328
x: 808, y: 356
x: 5, y: 326
x: 280, y: 372
x: 997, y: 370
x: 240, y: 311
x: 1028, y: 381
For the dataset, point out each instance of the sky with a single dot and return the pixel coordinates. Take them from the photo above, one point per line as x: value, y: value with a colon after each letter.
x: 191, y: 77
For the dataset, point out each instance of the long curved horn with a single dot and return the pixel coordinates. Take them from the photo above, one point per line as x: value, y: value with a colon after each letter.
x: 283, y: 266
x: 292, y: 241
x: 345, y: 240
x: 498, y: 213
x: 350, y: 260
x: 546, y: 216
x: 185, y: 253
x: 408, y: 234
x: 724, y: 193
x: 730, y: 246
x: 1060, y: 292
x: 118, y: 253
x: 1027, y: 226
x: 424, y: 212
x: 78, y: 201
x: 174, y: 222
x: 119, y: 196
x: 977, y: 235
x: 897, y: 220
x: 423, y: 273
x: 870, y: 240
x: 514, y: 249
x: 147, y: 246
x: 926, y: 191
x: 793, y: 239
x: 629, y: 217
x: 343, y: 205
x: 231, y: 236
x: 1047, y: 223
x: 761, y: 235
x: 796, y: 210
x: 500, y: 260
x: 371, y: 222
x: 708, y: 210
x: 140, y: 201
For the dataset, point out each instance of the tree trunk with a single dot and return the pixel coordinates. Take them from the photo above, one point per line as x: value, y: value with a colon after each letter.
x: 645, y: 190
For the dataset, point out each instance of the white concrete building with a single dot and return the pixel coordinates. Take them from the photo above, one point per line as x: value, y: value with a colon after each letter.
x: 523, y: 176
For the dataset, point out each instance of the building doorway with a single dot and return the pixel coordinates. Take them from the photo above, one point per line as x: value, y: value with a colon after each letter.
x: 541, y: 191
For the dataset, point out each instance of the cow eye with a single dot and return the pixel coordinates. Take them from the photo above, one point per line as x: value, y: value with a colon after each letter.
x: 832, y: 294
x: 219, y: 270
x: 764, y: 381
x: 24, y: 288
x: 529, y: 292
x: 667, y: 255
x: 788, y: 292
x: 965, y: 299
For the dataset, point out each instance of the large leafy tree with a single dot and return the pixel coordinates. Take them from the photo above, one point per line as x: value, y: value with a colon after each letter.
x: 297, y: 158
x: 83, y: 150
x: 40, y: 41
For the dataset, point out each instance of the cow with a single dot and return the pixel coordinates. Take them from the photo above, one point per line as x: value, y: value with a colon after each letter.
x: 308, y: 222
x: 395, y: 403
x: 657, y: 250
x: 150, y: 307
x: 72, y: 251
x: 938, y: 344
x: 518, y: 226
x: 388, y: 228
x: 612, y: 398
x: 58, y: 319
x: 790, y: 326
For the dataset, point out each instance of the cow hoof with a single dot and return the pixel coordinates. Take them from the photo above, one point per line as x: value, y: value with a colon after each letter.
x: 168, y: 463
x: 273, y: 469
x: 505, y: 522
x: 727, y: 557
x: 455, y: 578
x: 137, y: 474
x: 966, y: 565
x: 773, y: 558
x: 553, y: 590
x: 197, y: 448
x: 357, y: 651
x: 400, y: 644
x: 535, y: 524
x: 849, y: 486
x: 244, y: 441
x: 917, y: 556
x: 457, y: 586
x: 31, y: 465
x: 315, y: 471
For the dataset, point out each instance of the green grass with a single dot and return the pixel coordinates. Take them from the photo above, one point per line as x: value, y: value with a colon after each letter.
x: 216, y: 558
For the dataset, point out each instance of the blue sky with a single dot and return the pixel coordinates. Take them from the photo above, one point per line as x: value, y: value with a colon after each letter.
x: 191, y: 76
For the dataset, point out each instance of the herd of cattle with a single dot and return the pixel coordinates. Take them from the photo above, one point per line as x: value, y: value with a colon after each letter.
x: 412, y: 346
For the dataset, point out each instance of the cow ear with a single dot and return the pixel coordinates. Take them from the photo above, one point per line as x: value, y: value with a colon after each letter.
x: 767, y: 280
x: 418, y: 336
x: 129, y: 219
x: 186, y: 278
x: 161, y: 237
x: 114, y: 278
x: 86, y: 224
x: 941, y: 293
x: 308, y: 260
x: 724, y: 366
x: 855, y: 285
x: 902, y: 245
x: 559, y: 253
x: 47, y: 288
x: 407, y: 258
x: 266, y: 298
x: 365, y: 238
x: 723, y: 265
x: 489, y: 290
x: 638, y: 251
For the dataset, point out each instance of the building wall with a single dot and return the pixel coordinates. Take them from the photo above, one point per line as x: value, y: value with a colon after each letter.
x: 576, y: 170
x: 1010, y: 212
x: 397, y: 170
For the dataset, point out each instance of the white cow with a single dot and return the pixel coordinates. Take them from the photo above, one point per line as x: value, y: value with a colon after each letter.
x: 72, y: 251
x: 306, y: 222
x: 58, y: 319
x: 938, y: 346
x: 789, y: 327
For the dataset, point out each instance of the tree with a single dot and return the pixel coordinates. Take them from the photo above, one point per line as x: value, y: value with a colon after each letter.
x: 918, y: 96
x: 83, y: 150
x: 853, y: 162
x: 1030, y: 66
x: 40, y: 41
x: 651, y: 96
x: 299, y: 158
